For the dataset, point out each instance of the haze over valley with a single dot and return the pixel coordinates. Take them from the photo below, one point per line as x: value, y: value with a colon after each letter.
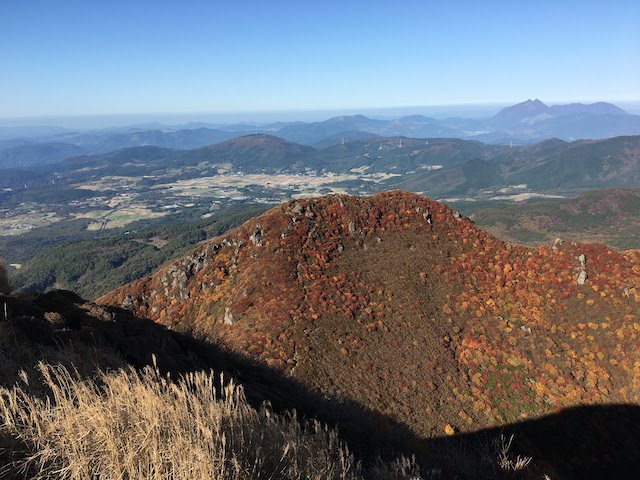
x: 45, y: 182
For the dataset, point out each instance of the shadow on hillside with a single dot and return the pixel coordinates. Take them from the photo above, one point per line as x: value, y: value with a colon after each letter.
x: 60, y: 327
x: 582, y: 442
x: 585, y: 442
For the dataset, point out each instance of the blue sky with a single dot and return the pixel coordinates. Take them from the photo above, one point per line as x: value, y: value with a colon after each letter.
x: 129, y: 57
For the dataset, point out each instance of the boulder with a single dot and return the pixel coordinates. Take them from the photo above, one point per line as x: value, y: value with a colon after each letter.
x: 228, y: 317
x: 582, y: 277
x: 297, y: 208
x: 256, y: 237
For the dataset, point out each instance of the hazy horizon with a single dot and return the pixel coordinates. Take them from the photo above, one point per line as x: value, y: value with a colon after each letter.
x: 169, y: 119
x: 473, y: 110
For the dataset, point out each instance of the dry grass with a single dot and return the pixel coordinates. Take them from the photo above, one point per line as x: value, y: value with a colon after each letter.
x: 142, y: 425
x: 506, y: 460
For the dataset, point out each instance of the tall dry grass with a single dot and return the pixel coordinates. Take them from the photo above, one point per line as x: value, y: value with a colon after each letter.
x: 142, y: 425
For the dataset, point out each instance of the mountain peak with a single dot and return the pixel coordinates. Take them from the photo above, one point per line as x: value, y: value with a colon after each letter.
x: 252, y: 139
x: 520, y: 112
x: 529, y: 106
x: 403, y: 305
x: 345, y: 118
x: 256, y: 151
x: 353, y: 120
x: 257, y: 138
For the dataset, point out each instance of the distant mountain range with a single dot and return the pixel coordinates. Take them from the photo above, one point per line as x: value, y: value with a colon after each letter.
x: 439, y: 167
x: 533, y: 111
x: 535, y: 120
x: 525, y: 123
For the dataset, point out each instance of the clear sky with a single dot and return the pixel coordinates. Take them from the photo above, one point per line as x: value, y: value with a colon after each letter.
x: 128, y: 57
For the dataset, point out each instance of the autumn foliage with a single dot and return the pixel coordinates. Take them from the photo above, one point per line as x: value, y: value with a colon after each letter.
x: 397, y: 302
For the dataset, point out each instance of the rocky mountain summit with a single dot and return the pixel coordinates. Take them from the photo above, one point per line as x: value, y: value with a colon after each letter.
x: 399, y: 303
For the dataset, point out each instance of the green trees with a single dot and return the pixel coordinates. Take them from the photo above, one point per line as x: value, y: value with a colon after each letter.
x: 93, y: 266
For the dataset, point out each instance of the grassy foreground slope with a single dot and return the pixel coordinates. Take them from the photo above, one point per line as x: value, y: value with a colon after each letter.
x: 144, y: 426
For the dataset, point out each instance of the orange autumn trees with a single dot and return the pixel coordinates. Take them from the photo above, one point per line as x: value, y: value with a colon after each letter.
x: 400, y: 304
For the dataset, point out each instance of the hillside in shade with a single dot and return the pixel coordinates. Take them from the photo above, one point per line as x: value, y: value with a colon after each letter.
x: 399, y: 304
x: 97, y: 393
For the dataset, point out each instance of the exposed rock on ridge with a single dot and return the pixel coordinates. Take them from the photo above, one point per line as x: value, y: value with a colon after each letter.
x: 425, y: 318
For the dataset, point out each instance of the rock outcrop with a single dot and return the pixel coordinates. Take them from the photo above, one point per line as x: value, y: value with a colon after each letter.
x: 427, y: 319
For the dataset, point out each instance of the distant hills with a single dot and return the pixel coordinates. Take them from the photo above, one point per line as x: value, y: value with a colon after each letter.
x: 533, y: 111
x: 545, y: 167
x: 524, y: 123
x: 509, y: 116
x: 183, y: 139
x: 253, y: 153
x: 37, y: 154
x: 610, y: 216
x: 440, y: 167
x: 315, y: 132
x: 535, y: 120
